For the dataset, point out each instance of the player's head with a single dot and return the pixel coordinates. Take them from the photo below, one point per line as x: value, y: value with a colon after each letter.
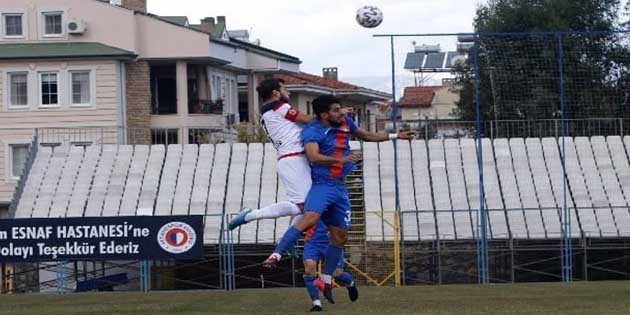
x: 327, y: 108
x: 273, y: 90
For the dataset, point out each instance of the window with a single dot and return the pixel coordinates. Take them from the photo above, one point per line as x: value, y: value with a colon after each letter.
x: 13, y: 26
x: 80, y: 87
x: 49, y: 89
x: 164, y: 136
x: 18, y: 89
x: 19, y: 154
x: 53, y: 23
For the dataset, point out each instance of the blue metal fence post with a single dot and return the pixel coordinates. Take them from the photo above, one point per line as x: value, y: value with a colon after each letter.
x: 227, y: 255
x: 145, y: 276
x: 482, y: 230
x: 567, y: 250
x: 222, y: 264
x: 396, y: 190
x: 232, y: 277
x: 61, y: 276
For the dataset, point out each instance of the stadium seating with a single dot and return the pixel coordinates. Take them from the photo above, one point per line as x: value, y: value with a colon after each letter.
x: 438, y: 184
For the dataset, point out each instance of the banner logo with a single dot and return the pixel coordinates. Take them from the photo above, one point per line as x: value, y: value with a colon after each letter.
x: 176, y: 237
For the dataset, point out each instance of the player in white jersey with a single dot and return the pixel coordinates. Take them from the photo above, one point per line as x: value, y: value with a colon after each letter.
x: 283, y: 125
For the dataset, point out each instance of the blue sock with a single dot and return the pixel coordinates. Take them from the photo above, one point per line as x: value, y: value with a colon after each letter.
x: 333, y: 255
x: 344, y: 278
x: 310, y: 287
x: 288, y: 239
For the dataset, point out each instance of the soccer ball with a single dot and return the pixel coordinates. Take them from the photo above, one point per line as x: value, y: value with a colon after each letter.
x: 369, y: 16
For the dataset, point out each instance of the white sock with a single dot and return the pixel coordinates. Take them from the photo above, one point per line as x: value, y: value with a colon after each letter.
x: 274, y: 211
x: 317, y: 302
x: 277, y: 255
x: 326, y: 278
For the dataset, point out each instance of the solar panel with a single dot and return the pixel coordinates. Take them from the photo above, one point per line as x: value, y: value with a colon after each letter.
x: 450, y: 56
x: 419, y: 61
x: 435, y: 61
x: 414, y: 61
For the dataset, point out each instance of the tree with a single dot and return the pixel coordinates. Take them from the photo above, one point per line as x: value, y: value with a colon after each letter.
x: 520, y: 74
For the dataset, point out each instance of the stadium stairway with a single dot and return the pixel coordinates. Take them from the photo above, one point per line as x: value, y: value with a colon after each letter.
x: 356, y: 189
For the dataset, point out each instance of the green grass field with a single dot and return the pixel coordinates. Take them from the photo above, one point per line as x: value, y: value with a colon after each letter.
x: 541, y: 298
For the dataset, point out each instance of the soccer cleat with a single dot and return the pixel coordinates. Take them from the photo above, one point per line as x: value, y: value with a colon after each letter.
x: 316, y: 308
x: 271, y: 262
x: 328, y: 293
x: 319, y: 284
x: 239, y: 219
x: 353, y: 293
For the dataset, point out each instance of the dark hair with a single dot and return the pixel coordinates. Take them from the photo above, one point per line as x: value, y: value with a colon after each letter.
x: 322, y: 104
x: 266, y: 87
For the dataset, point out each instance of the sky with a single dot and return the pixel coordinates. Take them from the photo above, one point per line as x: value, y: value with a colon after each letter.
x: 324, y: 33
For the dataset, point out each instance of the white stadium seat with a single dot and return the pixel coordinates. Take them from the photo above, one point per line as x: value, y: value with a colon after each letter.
x: 438, y: 184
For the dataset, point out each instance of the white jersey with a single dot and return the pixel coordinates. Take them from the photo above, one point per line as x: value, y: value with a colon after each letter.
x: 278, y: 119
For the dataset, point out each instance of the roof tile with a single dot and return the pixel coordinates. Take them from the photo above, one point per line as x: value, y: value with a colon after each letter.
x: 417, y: 96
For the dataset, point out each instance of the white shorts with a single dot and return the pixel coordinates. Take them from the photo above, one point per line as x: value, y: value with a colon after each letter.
x: 295, y: 174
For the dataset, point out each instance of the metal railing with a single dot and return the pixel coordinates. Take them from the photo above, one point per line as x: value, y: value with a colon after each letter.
x: 447, y: 128
x: 84, y: 136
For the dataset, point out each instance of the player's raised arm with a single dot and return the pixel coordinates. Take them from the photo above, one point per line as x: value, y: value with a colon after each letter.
x: 381, y: 136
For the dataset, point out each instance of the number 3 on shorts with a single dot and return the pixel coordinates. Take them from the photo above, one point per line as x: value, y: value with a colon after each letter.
x: 347, y: 218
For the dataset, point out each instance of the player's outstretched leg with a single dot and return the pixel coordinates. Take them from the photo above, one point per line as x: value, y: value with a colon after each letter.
x: 333, y: 255
x: 274, y: 211
x: 313, y: 292
x: 291, y: 236
x: 345, y: 278
x: 240, y: 219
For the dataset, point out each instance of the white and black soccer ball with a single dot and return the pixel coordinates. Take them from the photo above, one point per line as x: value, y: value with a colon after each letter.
x: 369, y: 16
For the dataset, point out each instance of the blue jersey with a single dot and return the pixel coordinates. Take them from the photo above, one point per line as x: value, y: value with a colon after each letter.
x: 332, y: 141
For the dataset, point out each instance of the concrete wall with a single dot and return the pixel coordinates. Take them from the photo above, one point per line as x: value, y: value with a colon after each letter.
x: 106, y: 23
x: 444, y: 102
x: 157, y: 39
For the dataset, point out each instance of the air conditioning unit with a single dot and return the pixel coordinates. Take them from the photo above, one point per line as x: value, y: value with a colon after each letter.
x: 76, y: 27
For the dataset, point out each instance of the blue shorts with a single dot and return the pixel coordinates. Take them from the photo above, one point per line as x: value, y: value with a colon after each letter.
x: 331, y: 201
x: 316, y: 251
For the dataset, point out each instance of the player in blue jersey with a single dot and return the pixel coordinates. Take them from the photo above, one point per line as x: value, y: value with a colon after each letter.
x: 326, y: 143
x: 317, y: 242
